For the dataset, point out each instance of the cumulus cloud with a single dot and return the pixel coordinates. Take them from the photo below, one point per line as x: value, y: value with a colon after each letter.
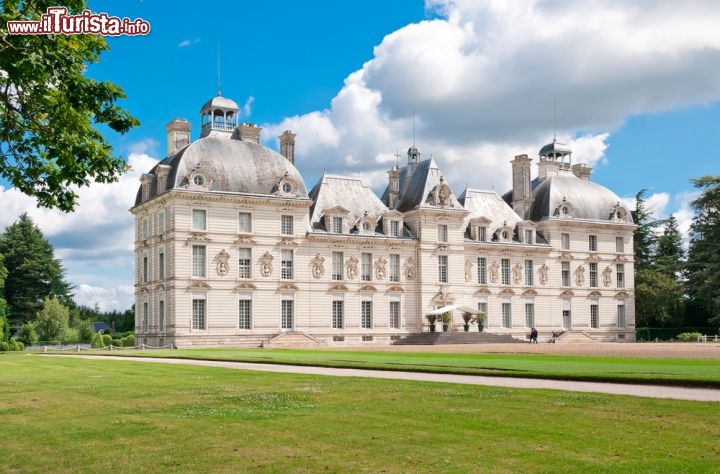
x: 485, y: 80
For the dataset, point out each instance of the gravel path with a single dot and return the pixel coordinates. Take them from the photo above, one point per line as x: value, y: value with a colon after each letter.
x: 652, y: 391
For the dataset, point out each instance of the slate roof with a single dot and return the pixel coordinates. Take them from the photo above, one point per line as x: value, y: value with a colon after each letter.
x: 416, y: 185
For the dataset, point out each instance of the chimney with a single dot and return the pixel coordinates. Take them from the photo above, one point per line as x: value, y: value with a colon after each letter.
x: 582, y: 171
x: 521, y: 192
x: 287, y: 145
x: 393, y: 187
x: 178, y: 135
x: 249, y: 132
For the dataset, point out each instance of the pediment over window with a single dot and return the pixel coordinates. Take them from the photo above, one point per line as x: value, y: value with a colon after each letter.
x: 337, y: 287
x: 367, y: 288
x: 482, y: 291
x: 594, y: 294
x: 160, y: 287
x: 287, y: 287
x: 567, y: 294
x: 621, y: 294
x: 395, y: 289
x: 198, y: 285
x: 506, y: 292
x: 245, y: 286
x: 529, y: 292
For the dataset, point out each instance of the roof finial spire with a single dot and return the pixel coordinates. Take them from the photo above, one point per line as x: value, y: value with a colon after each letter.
x: 218, y: 64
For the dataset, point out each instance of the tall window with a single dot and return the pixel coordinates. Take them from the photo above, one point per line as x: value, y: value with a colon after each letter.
x: 529, y: 271
x: 245, y: 313
x: 620, y: 275
x: 506, y: 315
x: 338, y: 314
x: 482, y: 307
x: 394, y: 268
x: 395, y: 314
x: 482, y: 233
x: 145, y: 317
x: 145, y: 269
x: 145, y: 228
x: 482, y: 270
x: 593, y: 274
x: 565, y: 273
x: 244, y: 222
x: 286, y: 265
x: 505, y: 271
x: 338, y: 263
x: 594, y: 317
x: 442, y: 233
x: 443, y: 268
x: 161, y: 222
x: 394, y: 228
x: 620, y: 315
x: 528, y: 236
x: 286, y: 314
x: 337, y: 225
x: 161, y: 315
x: 366, y: 267
x: 565, y: 241
x: 530, y: 315
x: 244, y: 258
x: 199, y: 319
x: 592, y: 243
x: 286, y: 225
x: 619, y: 245
x: 161, y: 264
x: 366, y: 314
x: 199, y: 219
x: 198, y: 261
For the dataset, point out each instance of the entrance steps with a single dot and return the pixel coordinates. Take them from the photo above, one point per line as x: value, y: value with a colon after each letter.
x: 573, y: 337
x: 432, y: 338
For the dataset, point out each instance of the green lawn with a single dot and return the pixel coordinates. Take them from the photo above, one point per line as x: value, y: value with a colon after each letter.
x: 686, y: 372
x: 76, y: 415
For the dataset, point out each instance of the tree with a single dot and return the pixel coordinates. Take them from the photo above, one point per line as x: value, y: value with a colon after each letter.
x: 658, y: 299
x: 703, y: 264
x: 52, y: 320
x: 33, y: 271
x: 4, y: 324
x: 49, y: 110
x: 28, y: 334
x: 670, y: 253
x: 644, y: 239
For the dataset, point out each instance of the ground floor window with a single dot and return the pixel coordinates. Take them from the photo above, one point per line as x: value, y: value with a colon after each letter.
x: 338, y: 314
x: 482, y: 307
x: 366, y: 314
x: 621, y: 315
x: 395, y: 314
x: 286, y: 316
x: 594, y: 316
x: 506, y: 315
x: 199, y: 313
x: 161, y: 315
x: 530, y: 315
x: 245, y: 314
x: 145, y: 317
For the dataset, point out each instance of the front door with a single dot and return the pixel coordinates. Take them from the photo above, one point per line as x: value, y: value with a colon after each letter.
x: 567, y: 320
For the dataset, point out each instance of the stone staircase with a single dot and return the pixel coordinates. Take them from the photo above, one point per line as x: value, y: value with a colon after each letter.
x: 431, y: 338
x: 573, y: 337
x: 293, y: 339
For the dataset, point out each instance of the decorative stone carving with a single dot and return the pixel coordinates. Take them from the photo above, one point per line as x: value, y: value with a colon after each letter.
x: 266, y: 264
x: 222, y: 262
x: 351, y: 268
x: 607, y: 276
x: 494, y: 267
x: 468, y: 269
x: 318, y: 269
x: 409, y: 269
x: 580, y: 275
x: 543, y: 274
x: 517, y: 274
x: 380, y: 270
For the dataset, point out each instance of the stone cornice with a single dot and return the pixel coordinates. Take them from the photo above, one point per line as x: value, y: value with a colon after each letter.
x: 216, y: 196
x: 566, y: 224
x: 352, y: 239
x: 506, y: 248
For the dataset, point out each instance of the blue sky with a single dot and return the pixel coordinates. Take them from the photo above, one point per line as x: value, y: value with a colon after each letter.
x: 635, y: 91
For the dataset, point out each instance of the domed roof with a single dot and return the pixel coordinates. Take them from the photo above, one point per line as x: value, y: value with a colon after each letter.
x: 220, y: 102
x: 567, y: 196
x: 555, y: 148
x: 230, y: 165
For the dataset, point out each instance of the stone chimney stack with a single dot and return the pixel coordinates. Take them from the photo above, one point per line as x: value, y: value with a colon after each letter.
x: 521, y: 192
x: 582, y: 171
x: 287, y: 145
x: 249, y: 132
x: 178, y: 135
x: 393, y: 187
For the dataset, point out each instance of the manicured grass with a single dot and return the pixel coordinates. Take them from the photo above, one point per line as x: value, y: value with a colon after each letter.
x: 685, y: 372
x: 76, y: 415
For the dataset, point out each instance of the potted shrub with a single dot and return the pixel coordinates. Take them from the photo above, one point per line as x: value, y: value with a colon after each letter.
x: 480, y: 320
x: 467, y: 317
x: 431, y: 321
x: 446, y: 320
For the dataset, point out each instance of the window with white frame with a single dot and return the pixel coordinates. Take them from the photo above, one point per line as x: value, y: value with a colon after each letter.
x: 338, y: 264
x: 337, y: 225
x: 394, y: 275
x: 619, y: 245
x: 338, y: 314
x: 198, y: 261
x: 482, y: 270
x: 442, y: 233
x: 529, y: 273
x: 244, y: 222
x: 442, y: 268
x: 565, y: 268
x: 506, y: 315
x: 199, y: 219
x: 199, y: 311
x: 482, y: 233
x: 620, y: 275
x: 395, y: 314
x: 366, y: 267
x: 244, y: 263
x: 394, y: 228
x: 621, y: 315
x: 592, y: 243
x: 505, y: 271
x: 245, y: 312
x: 161, y: 264
x: 161, y: 315
x: 286, y: 225
x: 530, y: 314
x: 565, y: 241
x: 529, y: 236
x: 286, y: 265
x: 161, y: 222
x: 593, y: 274
x: 366, y: 314
x: 594, y: 315
x: 287, y: 311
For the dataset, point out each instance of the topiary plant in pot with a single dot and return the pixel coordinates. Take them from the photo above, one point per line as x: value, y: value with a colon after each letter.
x: 431, y: 321
x: 480, y: 320
x: 467, y: 317
x: 446, y: 320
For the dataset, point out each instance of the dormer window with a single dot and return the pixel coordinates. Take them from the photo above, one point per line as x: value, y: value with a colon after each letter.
x: 286, y: 186
x: 529, y: 236
x: 337, y: 225
x: 394, y: 228
x: 564, y: 209
x: 481, y: 233
x: 199, y: 180
x: 504, y: 233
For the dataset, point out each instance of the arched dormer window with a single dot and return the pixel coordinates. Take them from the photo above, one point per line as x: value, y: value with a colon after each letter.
x: 564, y: 209
x: 286, y: 186
x: 619, y: 213
x: 504, y: 233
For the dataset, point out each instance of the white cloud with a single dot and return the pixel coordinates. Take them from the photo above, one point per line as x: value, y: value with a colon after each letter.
x: 247, y: 108
x: 188, y: 42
